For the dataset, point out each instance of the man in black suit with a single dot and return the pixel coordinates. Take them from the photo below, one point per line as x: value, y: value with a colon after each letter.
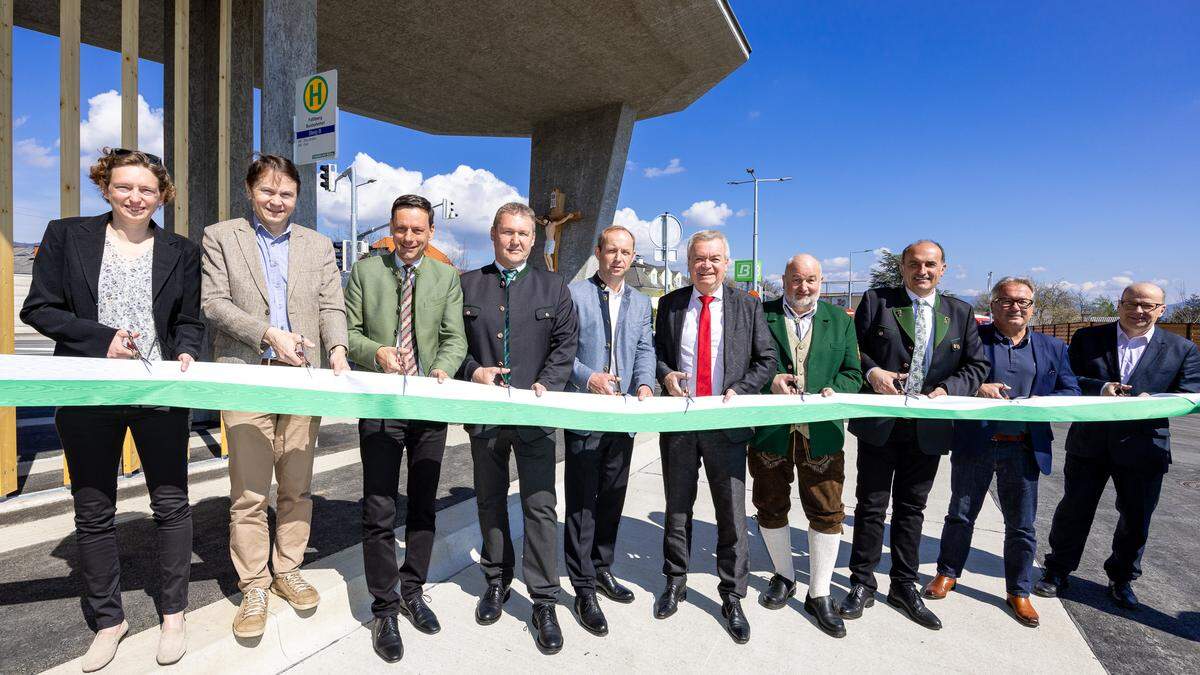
x: 1127, y: 358
x: 709, y: 339
x: 521, y: 332
x: 914, y: 341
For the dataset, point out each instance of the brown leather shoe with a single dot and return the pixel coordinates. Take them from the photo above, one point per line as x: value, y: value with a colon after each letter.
x: 1023, y: 611
x: 940, y: 587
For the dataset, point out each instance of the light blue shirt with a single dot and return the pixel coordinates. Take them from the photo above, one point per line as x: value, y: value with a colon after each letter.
x: 273, y: 252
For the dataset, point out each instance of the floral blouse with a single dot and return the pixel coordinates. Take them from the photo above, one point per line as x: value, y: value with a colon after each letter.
x: 126, y: 296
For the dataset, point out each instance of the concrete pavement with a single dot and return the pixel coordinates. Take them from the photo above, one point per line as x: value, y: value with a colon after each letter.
x: 980, y: 636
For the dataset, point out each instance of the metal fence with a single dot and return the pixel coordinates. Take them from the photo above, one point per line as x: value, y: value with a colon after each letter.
x: 1064, y: 331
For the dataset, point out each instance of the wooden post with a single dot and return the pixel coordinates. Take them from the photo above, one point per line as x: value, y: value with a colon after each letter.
x: 8, y: 416
x: 224, y: 60
x: 68, y: 120
x: 180, y: 170
x: 224, y: 436
x: 129, y: 74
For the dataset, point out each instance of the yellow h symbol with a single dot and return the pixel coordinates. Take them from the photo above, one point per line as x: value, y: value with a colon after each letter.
x: 314, y: 94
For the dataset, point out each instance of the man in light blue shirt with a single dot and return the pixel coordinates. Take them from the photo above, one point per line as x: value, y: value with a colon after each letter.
x: 273, y: 251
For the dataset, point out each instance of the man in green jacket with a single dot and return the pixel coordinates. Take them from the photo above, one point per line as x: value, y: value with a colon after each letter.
x: 818, y: 352
x: 404, y: 312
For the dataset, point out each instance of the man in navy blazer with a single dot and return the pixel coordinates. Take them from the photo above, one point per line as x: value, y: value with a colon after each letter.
x: 615, y: 357
x: 1127, y: 358
x: 1024, y: 364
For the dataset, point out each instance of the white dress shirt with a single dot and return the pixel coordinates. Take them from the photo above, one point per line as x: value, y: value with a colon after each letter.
x: 502, y: 267
x: 614, y: 312
x: 926, y: 309
x: 1130, y: 350
x: 691, y: 330
x: 800, y: 323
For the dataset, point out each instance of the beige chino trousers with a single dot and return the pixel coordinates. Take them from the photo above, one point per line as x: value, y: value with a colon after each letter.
x: 262, y: 444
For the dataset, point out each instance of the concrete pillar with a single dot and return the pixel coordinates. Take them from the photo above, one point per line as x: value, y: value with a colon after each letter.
x: 241, y: 103
x: 289, y: 51
x: 582, y: 154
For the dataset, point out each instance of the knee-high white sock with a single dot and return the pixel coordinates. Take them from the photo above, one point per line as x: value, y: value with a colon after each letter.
x: 822, y: 556
x: 779, y: 547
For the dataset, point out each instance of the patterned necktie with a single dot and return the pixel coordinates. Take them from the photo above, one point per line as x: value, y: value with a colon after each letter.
x: 704, y: 349
x: 405, y: 341
x: 509, y: 276
x: 916, y: 374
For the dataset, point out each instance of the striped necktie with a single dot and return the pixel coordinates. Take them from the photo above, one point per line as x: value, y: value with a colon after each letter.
x: 404, y: 334
x: 916, y: 374
x: 509, y: 276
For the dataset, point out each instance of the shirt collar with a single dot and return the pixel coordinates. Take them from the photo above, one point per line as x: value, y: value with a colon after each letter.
x: 263, y: 232
x: 1123, y: 339
x: 914, y: 297
x: 717, y: 294
x: 791, y: 313
x: 400, y: 263
x: 600, y: 283
x: 520, y: 268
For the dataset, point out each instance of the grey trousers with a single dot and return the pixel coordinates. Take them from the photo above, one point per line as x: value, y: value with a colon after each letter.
x: 535, y: 472
x: 725, y: 468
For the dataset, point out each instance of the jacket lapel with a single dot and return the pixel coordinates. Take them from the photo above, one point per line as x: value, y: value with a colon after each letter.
x: 1149, y: 355
x: 1110, y: 353
x: 904, y: 318
x: 89, y: 249
x: 166, y: 255
x: 777, y: 323
x: 245, y: 239
x: 678, y: 312
x: 297, y: 241
x: 728, y: 327
x: 941, y: 320
x: 1040, y: 364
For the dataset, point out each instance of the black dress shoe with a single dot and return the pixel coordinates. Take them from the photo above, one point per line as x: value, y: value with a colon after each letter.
x: 490, y: 606
x: 735, y: 621
x: 419, y: 614
x: 546, y: 630
x: 1050, y: 585
x: 591, y: 617
x: 385, y: 637
x: 859, y: 598
x: 672, y: 595
x: 904, y: 596
x: 780, y: 589
x: 823, y: 611
x: 612, y: 589
x: 1121, y: 593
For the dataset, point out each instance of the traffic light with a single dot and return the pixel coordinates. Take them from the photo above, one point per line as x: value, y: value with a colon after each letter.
x: 326, y: 176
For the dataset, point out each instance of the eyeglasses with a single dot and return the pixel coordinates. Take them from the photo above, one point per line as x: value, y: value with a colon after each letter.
x: 1008, y: 303
x: 122, y: 152
x: 1144, y: 306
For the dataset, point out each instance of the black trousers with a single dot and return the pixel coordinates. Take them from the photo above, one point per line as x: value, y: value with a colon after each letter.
x: 535, y: 472
x: 899, y: 472
x: 92, y: 439
x: 725, y: 468
x: 597, y: 474
x: 1084, y: 479
x: 382, y: 443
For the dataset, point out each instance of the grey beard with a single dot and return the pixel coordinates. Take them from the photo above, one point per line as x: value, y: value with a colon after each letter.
x: 802, y: 305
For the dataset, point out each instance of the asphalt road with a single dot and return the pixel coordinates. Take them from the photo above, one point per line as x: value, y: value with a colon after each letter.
x: 1163, y: 636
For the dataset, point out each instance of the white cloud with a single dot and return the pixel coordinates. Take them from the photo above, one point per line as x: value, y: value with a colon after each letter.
x: 476, y: 194
x: 742, y: 213
x: 103, y: 126
x: 27, y: 152
x: 707, y: 214
x: 20, y: 121
x: 1037, y: 270
x: 673, y: 166
x: 838, y: 262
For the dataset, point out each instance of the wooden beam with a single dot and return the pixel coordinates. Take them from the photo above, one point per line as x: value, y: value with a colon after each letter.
x: 130, y: 461
x: 8, y: 416
x: 129, y: 73
x: 224, y: 83
x: 68, y: 107
x: 180, y: 154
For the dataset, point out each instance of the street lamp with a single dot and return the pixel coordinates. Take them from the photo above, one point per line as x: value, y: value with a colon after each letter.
x: 850, y: 276
x: 754, y: 245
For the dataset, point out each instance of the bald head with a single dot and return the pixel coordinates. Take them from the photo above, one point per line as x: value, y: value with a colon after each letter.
x: 802, y: 282
x: 1141, y: 306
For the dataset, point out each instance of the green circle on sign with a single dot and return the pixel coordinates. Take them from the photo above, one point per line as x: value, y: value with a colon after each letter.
x: 315, y: 94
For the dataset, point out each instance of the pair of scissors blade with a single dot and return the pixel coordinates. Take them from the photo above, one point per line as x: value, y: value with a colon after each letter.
x: 131, y: 344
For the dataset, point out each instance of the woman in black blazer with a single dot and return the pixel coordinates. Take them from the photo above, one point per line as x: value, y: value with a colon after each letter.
x: 118, y: 286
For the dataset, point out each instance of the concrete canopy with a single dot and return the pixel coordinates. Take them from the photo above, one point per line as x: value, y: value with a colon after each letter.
x: 485, y: 67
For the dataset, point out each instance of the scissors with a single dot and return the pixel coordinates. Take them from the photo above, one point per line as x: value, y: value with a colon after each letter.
x: 131, y: 345
x: 300, y: 353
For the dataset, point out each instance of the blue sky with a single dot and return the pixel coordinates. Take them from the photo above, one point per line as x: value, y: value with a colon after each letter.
x: 1057, y: 139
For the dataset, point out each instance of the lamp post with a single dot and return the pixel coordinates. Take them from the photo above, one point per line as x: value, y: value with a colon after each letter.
x: 850, y: 276
x: 754, y: 242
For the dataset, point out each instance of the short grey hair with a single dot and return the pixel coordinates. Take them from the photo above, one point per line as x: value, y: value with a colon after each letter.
x: 908, y: 249
x: 514, y: 209
x: 707, y: 235
x: 1012, y: 281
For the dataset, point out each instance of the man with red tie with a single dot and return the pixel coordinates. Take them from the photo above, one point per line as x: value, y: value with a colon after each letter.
x: 710, y: 340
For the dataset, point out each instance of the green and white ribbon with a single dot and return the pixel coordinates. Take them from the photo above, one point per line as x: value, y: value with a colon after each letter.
x: 66, y: 381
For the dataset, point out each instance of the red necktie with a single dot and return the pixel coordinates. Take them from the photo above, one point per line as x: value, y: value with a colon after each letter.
x: 704, y: 350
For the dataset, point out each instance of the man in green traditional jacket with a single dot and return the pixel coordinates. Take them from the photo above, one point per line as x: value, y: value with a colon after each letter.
x: 405, y: 315
x: 818, y: 352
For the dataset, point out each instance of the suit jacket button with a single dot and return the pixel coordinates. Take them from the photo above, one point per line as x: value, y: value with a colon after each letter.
x: 266, y: 312
x: 904, y: 366
x: 500, y: 335
x: 501, y: 308
x: 880, y: 332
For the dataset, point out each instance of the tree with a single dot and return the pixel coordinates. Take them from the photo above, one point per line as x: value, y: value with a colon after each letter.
x: 1103, y: 307
x: 1187, y: 311
x: 983, y: 304
x: 886, y: 271
x: 772, y: 289
x: 1054, y: 303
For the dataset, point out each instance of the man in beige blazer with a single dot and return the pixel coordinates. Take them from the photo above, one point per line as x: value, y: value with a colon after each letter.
x: 272, y: 296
